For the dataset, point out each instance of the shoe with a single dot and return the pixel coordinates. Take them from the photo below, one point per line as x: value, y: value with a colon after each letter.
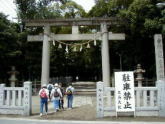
x: 40, y: 114
x: 46, y: 113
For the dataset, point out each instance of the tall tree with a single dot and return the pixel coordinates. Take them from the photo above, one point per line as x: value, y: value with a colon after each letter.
x: 9, y: 48
x: 72, y: 10
x: 143, y: 22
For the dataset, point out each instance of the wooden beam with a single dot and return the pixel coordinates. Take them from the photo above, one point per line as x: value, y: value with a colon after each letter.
x: 76, y: 37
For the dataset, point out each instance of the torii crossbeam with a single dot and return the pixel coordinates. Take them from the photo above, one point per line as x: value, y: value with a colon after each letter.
x: 105, y: 36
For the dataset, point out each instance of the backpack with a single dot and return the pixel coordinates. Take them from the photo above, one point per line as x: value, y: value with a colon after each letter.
x: 43, y: 94
x: 49, y: 87
x: 56, y: 94
x: 69, y: 92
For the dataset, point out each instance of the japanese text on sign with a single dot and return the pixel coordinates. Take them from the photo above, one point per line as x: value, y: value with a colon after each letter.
x: 124, y: 90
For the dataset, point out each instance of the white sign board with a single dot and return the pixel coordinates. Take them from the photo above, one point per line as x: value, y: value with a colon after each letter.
x: 124, y: 91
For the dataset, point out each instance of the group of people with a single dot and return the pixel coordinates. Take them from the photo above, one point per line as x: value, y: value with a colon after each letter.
x: 55, y: 93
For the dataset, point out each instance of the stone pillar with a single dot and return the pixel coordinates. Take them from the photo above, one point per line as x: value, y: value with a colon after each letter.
x: 45, y: 56
x: 159, y: 57
x: 100, y: 103
x: 105, y: 55
x: 75, y: 29
x: 27, y: 98
x: 2, y: 98
x: 161, y: 97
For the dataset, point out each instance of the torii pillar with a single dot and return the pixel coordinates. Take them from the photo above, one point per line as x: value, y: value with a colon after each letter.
x: 105, y: 55
x: 45, y: 56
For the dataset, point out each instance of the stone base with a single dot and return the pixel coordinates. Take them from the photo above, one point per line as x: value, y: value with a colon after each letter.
x: 137, y: 113
x: 12, y: 111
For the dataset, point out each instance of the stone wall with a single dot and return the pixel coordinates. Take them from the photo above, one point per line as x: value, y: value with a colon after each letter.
x: 16, y: 100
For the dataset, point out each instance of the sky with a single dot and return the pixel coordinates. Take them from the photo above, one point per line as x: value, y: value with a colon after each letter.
x: 8, y: 7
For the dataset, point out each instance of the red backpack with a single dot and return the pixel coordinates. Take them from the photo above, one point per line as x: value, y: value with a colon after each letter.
x: 43, y: 94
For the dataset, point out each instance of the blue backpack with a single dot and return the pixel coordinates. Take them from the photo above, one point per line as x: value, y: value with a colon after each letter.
x: 49, y: 87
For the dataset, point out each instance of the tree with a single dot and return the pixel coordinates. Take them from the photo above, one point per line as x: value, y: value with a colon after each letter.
x: 108, y: 8
x: 143, y: 22
x: 9, y: 48
x: 72, y: 10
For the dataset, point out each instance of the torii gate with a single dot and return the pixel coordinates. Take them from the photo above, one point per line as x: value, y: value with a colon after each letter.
x: 47, y: 23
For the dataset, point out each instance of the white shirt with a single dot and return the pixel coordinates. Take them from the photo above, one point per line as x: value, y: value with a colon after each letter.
x: 54, y: 90
x: 70, y: 87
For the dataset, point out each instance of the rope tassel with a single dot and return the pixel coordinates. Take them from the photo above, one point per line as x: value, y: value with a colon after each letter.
x: 88, y: 46
x: 54, y: 43
x: 60, y: 46
x: 95, y: 43
x: 80, y: 48
x: 66, y: 49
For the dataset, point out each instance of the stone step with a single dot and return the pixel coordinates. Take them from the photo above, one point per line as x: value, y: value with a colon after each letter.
x: 84, y: 88
x: 85, y: 91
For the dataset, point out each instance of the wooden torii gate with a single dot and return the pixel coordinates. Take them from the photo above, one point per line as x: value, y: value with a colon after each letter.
x: 47, y: 23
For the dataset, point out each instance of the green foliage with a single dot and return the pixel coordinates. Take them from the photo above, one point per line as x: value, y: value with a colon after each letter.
x: 9, y: 48
x: 143, y: 20
x: 99, y: 10
x: 72, y: 10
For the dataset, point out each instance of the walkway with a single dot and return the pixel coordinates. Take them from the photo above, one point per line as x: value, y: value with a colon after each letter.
x: 77, y: 102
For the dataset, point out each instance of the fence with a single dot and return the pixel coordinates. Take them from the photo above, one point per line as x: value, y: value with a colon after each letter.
x: 16, y: 100
x: 149, y: 101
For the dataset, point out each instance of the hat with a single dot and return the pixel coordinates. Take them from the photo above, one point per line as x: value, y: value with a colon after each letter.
x: 44, y: 85
x: 56, y: 85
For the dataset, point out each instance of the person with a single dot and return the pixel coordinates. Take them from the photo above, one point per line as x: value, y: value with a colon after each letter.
x: 49, y: 87
x: 61, y: 101
x: 56, y: 94
x: 69, y: 93
x: 43, y: 93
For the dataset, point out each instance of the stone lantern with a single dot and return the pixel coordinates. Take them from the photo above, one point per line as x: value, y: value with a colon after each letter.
x: 13, y: 78
x: 139, y: 75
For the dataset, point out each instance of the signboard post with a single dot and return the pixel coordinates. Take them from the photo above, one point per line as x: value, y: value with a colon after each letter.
x: 124, y: 90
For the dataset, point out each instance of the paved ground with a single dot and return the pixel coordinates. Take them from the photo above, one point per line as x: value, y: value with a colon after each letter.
x: 33, y: 121
x: 84, y: 110
x: 78, y: 101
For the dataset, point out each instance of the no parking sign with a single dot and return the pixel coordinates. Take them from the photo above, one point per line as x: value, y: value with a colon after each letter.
x: 124, y: 90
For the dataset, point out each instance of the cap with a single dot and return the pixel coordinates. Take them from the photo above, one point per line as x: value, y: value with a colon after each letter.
x: 44, y: 85
x: 56, y: 85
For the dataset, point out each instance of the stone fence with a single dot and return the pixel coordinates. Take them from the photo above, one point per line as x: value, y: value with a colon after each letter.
x: 149, y: 101
x: 16, y: 100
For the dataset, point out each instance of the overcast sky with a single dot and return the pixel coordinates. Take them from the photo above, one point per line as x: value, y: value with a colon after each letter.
x: 8, y: 7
